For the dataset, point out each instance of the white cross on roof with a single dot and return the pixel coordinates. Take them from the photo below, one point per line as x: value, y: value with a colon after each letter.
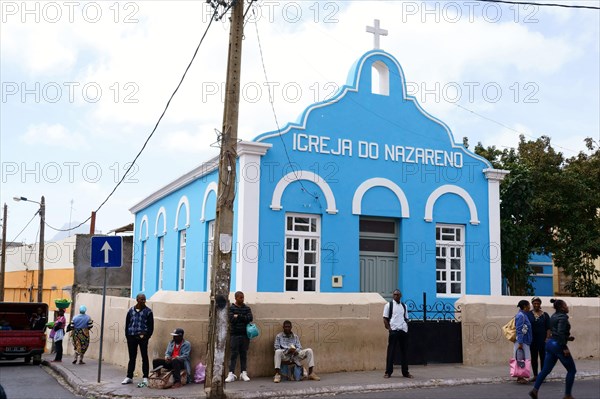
x: 377, y: 31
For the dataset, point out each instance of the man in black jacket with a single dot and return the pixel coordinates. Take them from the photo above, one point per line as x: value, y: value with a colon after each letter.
x: 239, y: 317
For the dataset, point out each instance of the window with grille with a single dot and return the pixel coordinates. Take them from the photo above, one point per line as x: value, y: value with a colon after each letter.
x: 209, y: 251
x: 302, y: 243
x: 449, y: 259
x: 143, y: 265
x: 181, y: 277
x: 161, y: 261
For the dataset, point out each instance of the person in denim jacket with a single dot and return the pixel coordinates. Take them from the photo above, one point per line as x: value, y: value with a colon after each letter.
x: 524, y: 332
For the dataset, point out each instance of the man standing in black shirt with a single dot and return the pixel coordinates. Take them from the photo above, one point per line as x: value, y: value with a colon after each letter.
x: 239, y: 317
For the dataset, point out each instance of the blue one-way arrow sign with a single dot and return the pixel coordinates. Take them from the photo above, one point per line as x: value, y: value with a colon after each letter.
x: 107, y: 251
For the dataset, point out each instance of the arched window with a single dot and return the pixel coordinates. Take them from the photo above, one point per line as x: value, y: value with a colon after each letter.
x: 380, y: 79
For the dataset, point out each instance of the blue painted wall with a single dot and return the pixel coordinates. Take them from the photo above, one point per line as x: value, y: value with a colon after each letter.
x: 357, y: 133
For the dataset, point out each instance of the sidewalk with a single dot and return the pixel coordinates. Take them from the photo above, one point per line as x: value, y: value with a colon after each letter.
x: 83, y: 380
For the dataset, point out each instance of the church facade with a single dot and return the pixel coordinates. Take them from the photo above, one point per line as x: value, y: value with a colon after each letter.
x: 366, y: 192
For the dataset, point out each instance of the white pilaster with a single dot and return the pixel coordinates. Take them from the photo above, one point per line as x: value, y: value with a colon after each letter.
x: 246, y: 274
x: 495, y: 176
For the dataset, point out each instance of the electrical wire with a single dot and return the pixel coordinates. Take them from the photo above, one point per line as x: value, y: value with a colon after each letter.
x: 528, y: 3
x: 132, y: 163
x: 20, y: 232
x: 271, y: 101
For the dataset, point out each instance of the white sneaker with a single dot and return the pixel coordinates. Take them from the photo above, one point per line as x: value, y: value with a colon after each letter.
x: 145, y: 381
x: 244, y: 376
x: 127, y: 380
x: 230, y: 377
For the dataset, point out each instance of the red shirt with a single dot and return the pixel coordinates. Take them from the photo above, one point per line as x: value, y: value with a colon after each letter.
x: 176, y: 349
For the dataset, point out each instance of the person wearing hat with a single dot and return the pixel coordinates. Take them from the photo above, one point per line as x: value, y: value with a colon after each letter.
x: 80, y: 325
x: 177, y: 358
x: 540, y: 326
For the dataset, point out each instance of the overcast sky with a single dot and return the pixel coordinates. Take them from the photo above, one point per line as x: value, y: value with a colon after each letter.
x: 83, y: 84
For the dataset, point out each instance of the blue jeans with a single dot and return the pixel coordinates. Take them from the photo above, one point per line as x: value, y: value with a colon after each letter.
x: 554, y: 352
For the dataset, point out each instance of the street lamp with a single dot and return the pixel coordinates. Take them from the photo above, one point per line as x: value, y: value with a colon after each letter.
x: 42, y: 213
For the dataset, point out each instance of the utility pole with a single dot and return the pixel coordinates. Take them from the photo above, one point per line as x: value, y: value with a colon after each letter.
x: 3, y: 260
x: 41, y: 251
x: 221, y: 270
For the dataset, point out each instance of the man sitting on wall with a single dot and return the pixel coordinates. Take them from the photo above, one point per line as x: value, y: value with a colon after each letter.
x: 289, y: 349
x: 177, y: 357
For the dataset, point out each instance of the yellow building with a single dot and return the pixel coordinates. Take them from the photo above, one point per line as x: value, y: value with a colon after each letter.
x: 21, y: 272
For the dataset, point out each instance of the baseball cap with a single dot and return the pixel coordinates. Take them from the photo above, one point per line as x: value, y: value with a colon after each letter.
x: 177, y: 331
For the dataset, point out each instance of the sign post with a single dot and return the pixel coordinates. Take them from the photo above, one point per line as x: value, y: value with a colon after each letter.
x: 107, y: 251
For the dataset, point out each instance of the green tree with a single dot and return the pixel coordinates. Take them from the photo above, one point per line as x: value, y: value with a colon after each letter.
x: 549, y: 205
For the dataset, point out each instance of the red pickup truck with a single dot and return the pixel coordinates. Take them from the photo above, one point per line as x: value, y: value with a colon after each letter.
x: 22, y: 330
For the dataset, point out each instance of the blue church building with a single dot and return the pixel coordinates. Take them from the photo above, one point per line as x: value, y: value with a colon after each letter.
x: 366, y: 192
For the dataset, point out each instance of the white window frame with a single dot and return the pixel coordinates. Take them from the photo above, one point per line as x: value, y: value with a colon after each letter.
x: 210, y: 235
x: 182, y: 251
x: 302, y: 237
x: 450, y: 248
x: 161, y: 261
x: 144, y: 264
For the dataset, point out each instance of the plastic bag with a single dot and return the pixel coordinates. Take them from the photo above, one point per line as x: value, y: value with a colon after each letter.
x: 252, y: 330
x: 200, y: 373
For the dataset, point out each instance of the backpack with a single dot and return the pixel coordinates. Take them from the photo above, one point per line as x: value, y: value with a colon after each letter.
x: 510, y: 330
x: 391, y: 309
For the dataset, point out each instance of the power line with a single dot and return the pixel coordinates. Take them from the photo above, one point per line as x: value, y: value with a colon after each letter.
x: 271, y: 101
x: 527, y: 3
x: 20, y: 232
x: 132, y: 163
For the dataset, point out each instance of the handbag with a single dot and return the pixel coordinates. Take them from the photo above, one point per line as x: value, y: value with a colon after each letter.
x: 510, y: 330
x: 519, y: 366
x: 252, y: 330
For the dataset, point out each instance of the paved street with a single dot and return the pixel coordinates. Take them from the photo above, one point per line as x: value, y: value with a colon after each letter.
x: 26, y: 381
x: 583, y: 389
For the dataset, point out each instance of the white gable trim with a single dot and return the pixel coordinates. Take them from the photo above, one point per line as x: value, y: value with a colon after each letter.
x: 303, y: 175
x: 379, y: 182
x: 450, y: 189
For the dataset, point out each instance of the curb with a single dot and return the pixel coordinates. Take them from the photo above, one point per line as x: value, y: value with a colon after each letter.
x: 84, y: 389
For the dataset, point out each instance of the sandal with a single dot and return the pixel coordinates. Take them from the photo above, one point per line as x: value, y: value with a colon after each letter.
x: 386, y: 375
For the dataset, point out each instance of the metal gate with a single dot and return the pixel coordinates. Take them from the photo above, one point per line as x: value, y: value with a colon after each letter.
x: 434, y: 333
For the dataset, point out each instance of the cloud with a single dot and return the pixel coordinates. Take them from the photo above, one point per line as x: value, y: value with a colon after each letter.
x: 55, y: 135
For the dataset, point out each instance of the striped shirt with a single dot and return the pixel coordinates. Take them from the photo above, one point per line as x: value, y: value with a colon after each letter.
x: 283, y: 341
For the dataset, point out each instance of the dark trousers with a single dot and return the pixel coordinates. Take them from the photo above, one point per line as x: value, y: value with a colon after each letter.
x: 538, y: 350
x: 238, y: 345
x: 174, y: 364
x: 133, y: 341
x: 58, y: 345
x: 554, y: 352
x: 397, y: 340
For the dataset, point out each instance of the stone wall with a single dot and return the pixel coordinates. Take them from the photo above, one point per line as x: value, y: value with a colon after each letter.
x: 484, y: 316
x: 345, y: 330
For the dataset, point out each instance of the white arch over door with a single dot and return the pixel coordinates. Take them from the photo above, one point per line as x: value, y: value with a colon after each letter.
x: 451, y: 189
x: 163, y: 212
x: 379, y: 182
x: 212, y: 187
x: 183, y: 201
x: 303, y: 175
x: 143, y: 223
